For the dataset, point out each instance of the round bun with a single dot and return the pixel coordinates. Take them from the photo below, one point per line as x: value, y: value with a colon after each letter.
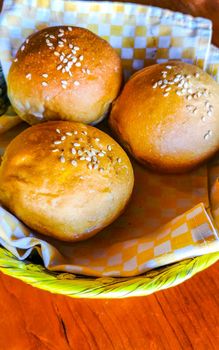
x: 65, y: 179
x: 65, y: 73
x: 167, y: 116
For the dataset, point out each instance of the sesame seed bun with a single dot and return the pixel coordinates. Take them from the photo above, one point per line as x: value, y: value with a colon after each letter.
x: 167, y: 116
x: 65, y: 73
x: 65, y: 179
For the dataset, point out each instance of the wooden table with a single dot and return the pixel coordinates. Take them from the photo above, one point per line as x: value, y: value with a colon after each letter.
x: 184, y: 317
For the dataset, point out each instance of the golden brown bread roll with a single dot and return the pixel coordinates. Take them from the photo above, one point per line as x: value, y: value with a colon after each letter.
x: 65, y: 179
x: 167, y: 116
x: 65, y: 73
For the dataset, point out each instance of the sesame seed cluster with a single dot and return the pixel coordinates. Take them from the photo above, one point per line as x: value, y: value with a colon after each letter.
x: 182, y: 85
x: 84, y: 148
x: 67, y: 55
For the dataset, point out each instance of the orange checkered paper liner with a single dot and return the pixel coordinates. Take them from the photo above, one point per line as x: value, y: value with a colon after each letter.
x: 169, y: 216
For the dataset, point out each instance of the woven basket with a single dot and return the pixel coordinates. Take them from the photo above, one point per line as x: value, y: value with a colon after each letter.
x: 91, y: 287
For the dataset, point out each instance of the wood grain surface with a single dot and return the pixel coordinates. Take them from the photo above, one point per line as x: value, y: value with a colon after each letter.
x: 184, y: 317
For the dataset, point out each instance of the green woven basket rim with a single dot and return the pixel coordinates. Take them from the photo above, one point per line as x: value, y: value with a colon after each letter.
x: 104, y: 287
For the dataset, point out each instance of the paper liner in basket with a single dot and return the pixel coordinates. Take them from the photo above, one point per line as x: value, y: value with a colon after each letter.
x: 167, y: 219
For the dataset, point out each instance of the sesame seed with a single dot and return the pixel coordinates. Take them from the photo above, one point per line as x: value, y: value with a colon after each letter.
x: 183, y: 91
x: 28, y: 76
x: 65, y: 60
x: 163, y: 86
x: 209, y: 113
x: 70, y: 46
x: 58, y: 131
x: 168, y: 89
x: 101, y: 170
x: 109, y: 148
x: 76, y: 144
x: 64, y: 40
x: 74, y: 51
x: 46, y: 36
x: 64, y: 82
x: 81, y: 58
x: 97, y: 139
x: 22, y: 48
x: 101, y: 154
x: 75, y: 132
x: 76, y: 48
x: 94, y: 158
x: 82, y: 158
x: 69, y: 55
x: 186, y: 85
x: 52, y: 36
x: 62, y: 159
x: 76, y: 83
x: 90, y: 166
x: 189, y: 97
x: 80, y: 152
x: 197, y: 75
x: 84, y: 132
x: 68, y: 133
x: 57, y: 142
x: 164, y: 72
x: 160, y: 82
x: 88, y: 71
x: 203, y: 118
x: 63, y: 70
x: 70, y: 29
x: 78, y: 64
x: 168, y: 67
x: 61, y: 30
x: 95, y: 166
x: 74, y: 162
x: 49, y: 44
x: 199, y: 93
x: 178, y: 92
x: 73, y: 151
x: 166, y: 94
x: 44, y: 83
x: 70, y: 73
x: 88, y: 158
x: 55, y: 150
x: 60, y: 35
x: 119, y: 160
x: 154, y: 86
x: 63, y: 138
x: 190, y: 91
x: 15, y: 60
x: 45, y: 75
x: 64, y: 86
x: 27, y: 41
x: 59, y: 67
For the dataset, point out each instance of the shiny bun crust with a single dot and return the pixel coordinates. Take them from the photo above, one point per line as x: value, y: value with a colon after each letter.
x: 65, y: 73
x: 167, y: 116
x: 65, y: 179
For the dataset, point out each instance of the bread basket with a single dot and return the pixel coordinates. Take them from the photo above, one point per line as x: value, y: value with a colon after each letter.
x: 105, y: 287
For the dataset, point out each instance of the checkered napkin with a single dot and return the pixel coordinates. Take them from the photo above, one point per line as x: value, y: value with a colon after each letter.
x: 170, y: 218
